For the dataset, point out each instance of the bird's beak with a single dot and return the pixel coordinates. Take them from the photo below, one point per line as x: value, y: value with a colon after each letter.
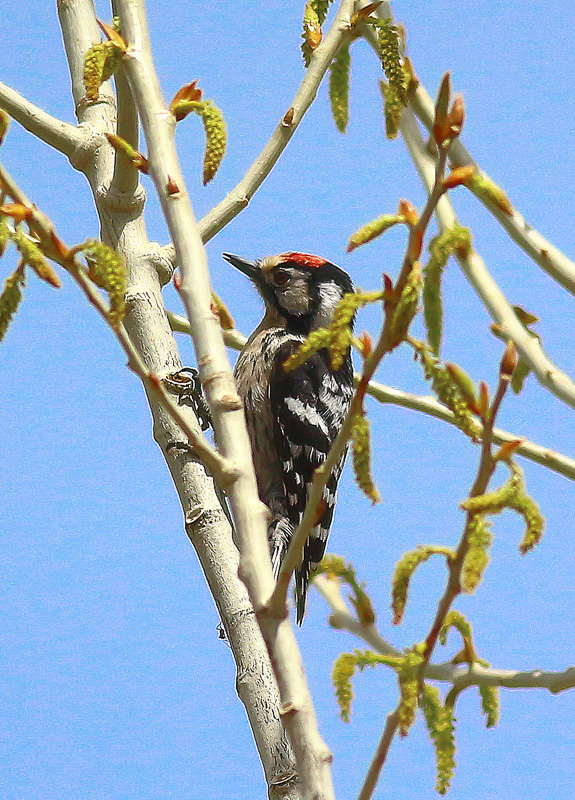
x: 249, y: 268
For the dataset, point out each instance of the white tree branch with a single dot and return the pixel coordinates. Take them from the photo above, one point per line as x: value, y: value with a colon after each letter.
x: 312, y: 756
x: 550, y: 258
x: 474, y: 269
x: 456, y: 674
x: 240, y: 196
x: 558, y: 462
x: 123, y: 227
x: 428, y: 405
x: 218, y: 466
x: 59, y: 135
x: 126, y: 176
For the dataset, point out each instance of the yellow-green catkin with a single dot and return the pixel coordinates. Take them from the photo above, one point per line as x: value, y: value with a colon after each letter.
x: 339, y: 88
x: 403, y: 573
x: 494, y: 502
x: 340, y: 326
x: 440, y: 248
x: 388, y: 40
x: 395, y: 91
x: 341, y: 675
x: 407, y: 305
x: 34, y: 257
x: 336, y: 567
x: 408, y: 678
x: 454, y: 619
x: 407, y: 668
x: 106, y: 269
x: 476, y: 561
x: 10, y: 299
x: 534, y: 521
x: 362, y: 457
x: 337, y: 337
x: 490, y: 704
x: 373, y: 229
x: 392, y: 110
x: 316, y: 340
x: 345, y: 665
x: 441, y: 726
x: 4, y: 234
x: 100, y: 63
x: 449, y: 393
x: 216, y: 135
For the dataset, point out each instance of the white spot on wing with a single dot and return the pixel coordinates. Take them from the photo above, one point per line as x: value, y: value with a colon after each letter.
x: 306, y: 412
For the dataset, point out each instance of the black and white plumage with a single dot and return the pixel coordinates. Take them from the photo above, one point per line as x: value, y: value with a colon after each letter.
x: 293, y: 417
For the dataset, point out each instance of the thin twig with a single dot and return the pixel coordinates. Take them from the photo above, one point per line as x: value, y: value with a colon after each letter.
x: 239, y: 197
x: 546, y: 255
x: 473, y: 267
x: 557, y: 462
x: 221, y: 468
x: 485, y: 470
x: 380, y: 756
x: 458, y: 675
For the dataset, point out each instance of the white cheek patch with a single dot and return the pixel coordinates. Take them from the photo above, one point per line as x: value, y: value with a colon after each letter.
x: 329, y: 296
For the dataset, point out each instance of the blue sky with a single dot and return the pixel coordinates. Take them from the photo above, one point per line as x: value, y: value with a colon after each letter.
x: 113, y: 683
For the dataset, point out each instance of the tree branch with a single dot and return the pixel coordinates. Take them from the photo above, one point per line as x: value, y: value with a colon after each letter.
x: 312, y: 756
x: 59, y: 135
x: 206, y: 525
x: 218, y: 466
x: 547, y: 373
x: 460, y: 676
x: 240, y: 196
x: 557, y: 462
x: 380, y: 756
x: 126, y: 176
x: 428, y: 405
x: 546, y: 255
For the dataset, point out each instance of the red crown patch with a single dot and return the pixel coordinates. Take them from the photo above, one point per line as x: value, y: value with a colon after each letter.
x: 304, y: 260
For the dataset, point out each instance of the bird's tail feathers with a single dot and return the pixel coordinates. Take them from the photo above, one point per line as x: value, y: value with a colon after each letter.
x: 279, y: 537
x: 301, y: 584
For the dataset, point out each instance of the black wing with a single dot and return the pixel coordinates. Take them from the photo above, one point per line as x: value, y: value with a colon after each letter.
x: 309, y: 405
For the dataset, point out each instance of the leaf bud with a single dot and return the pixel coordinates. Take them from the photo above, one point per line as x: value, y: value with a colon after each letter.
x: 441, y: 123
x: 459, y: 176
x: 509, y: 361
x: 456, y: 117
x: 407, y: 210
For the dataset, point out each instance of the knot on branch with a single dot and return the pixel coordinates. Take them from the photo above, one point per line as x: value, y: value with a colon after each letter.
x: 83, y: 154
x: 128, y: 205
x: 159, y: 259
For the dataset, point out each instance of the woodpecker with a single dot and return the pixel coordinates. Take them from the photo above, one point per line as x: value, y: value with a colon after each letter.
x: 293, y: 417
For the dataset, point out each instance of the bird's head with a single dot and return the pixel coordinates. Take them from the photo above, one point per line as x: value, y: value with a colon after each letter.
x: 300, y: 291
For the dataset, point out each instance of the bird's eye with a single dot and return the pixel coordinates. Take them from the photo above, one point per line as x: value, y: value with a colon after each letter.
x: 281, y: 277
